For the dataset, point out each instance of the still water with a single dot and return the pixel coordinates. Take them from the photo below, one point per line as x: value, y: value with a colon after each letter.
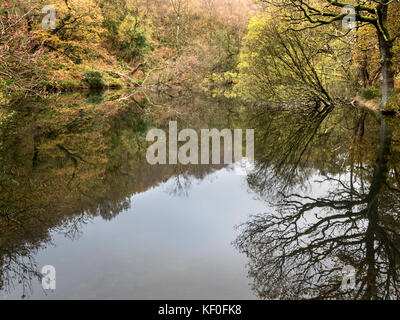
x: 77, y: 193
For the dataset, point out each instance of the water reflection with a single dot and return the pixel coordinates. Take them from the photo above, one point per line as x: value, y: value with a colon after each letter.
x: 82, y: 159
x: 333, y: 195
x: 329, y: 179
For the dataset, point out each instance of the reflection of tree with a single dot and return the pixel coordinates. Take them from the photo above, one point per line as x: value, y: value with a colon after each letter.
x: 299, y: 250
x: 292, y: 146
x: 186, y: 175
x: 17, y: 265
x: 57, y: 173
x: 281, y: 149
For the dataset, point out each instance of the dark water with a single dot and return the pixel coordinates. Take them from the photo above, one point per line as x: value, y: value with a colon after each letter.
x: 77, y: 193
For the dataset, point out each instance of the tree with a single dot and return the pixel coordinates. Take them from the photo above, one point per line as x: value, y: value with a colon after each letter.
x: 134, y: 36
x: 20, y: 53
x: 303, y: 14
x: 285, y: 66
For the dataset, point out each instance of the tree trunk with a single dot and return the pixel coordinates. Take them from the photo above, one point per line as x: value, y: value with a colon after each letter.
x: 363, y: 71
x: 373, y: 198
x: 387, y: 76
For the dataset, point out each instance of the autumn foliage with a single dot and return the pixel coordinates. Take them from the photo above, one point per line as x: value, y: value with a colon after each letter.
x: 21, y: 50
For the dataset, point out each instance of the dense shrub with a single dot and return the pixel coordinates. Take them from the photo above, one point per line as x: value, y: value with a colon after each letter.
x: 134, y: 38
x: 21, y: 69
x: 370, y: 93
x: 95, y: 79
x: 394, y: 102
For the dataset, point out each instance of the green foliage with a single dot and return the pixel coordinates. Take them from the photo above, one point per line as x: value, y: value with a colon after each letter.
x: 228, y: 46
x: 394, y: 102
x: 134, y: 38
x: 277, y: 64
x: 4, y: 119
x: 220, y: 84
x: 95, y: 79
x: 96, y: 97
x: 111, y: 25
x: 370, y: 93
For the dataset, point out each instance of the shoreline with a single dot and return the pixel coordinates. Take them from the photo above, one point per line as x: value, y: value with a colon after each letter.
x: 371, y: 105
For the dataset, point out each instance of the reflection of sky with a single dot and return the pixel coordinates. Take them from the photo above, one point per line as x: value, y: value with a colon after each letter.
x: 163, y: 247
